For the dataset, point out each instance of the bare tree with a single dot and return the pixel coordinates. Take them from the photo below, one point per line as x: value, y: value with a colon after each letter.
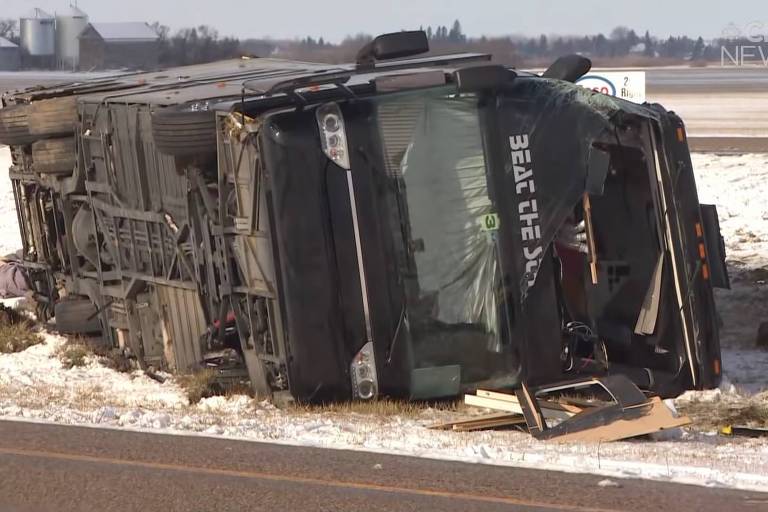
x: 8, y: 29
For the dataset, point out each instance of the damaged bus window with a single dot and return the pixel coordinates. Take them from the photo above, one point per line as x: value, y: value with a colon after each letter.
x: 447, y: 222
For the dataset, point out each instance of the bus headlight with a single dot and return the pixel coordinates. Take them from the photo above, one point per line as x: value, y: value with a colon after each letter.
x: 365, y: 385
x: 333, y: 136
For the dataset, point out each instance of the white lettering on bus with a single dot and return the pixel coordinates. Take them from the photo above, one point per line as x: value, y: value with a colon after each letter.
x: 527, y: 206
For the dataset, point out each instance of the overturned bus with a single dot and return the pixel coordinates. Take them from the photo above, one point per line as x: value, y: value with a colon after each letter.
x: 403, y: 226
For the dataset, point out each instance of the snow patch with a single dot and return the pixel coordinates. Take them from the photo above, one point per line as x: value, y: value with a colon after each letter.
x: 10, y: 239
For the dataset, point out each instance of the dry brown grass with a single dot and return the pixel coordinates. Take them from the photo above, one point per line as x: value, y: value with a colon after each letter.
x: 77, y: 349
x: 198, y: 385
x: 751, y: 412
x: 73, y: 355
x: 17, y: 332
x: 381, y: 408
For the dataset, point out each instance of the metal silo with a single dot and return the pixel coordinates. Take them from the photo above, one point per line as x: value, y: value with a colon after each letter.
x: 69, y: 25
x: 38, y: 37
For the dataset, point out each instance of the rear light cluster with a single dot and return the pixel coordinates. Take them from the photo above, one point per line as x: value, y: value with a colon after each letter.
x: 702, y: 251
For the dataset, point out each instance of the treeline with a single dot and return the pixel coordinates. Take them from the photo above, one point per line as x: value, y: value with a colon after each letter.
x: 194, y: 45
x: 9, y: 29
x: 622, y: 47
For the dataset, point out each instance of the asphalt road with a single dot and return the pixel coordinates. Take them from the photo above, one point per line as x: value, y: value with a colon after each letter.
x: 55, y: 468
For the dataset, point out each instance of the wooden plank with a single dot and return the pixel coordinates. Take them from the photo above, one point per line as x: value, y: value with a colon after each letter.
x: 513, y: 407
x: 447, y: 425
x: 496, y: 395
x: 557, y: 406
x: 544, y: 404
x: 590, y: 238
x: 508, y: 422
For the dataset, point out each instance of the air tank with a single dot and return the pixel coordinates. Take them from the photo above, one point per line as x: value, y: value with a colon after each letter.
x: 38, y: 34
x: 69, y: 25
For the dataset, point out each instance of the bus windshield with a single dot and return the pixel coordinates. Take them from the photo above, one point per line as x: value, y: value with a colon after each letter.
x: 455, y: 307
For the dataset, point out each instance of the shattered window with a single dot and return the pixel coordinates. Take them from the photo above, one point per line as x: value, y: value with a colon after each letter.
x: 434, y: 149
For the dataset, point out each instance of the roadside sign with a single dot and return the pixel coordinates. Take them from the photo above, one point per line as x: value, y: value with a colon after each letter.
x: 628, y: 85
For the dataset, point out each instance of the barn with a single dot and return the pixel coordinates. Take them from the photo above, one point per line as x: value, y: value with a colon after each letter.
x: 10, y: 55
x: 118, y: 46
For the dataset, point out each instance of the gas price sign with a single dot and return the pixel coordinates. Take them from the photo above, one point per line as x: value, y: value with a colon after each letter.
x: 628, y: 85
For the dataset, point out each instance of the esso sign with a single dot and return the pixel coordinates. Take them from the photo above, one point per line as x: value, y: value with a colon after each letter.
x: 598, y: 84
x: 629, y: 86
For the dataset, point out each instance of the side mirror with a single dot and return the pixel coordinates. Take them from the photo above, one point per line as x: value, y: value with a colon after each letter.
x: 488, y: 78
x: 392, y: 46
x: 569, y: 68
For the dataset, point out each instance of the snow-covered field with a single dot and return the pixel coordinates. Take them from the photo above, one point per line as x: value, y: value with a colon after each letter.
x: 719, y: 114
x: 34, y: 385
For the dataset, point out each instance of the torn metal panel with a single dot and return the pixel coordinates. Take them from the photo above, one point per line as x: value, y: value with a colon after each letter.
x: 630, y: 414
x: 649, y: 314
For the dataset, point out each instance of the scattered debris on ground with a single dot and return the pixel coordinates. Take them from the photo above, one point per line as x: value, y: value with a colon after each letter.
x: 744, y: 431
x: 548, y: 414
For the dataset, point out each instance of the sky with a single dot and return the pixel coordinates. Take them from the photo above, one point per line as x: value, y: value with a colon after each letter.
x: 335, y: 19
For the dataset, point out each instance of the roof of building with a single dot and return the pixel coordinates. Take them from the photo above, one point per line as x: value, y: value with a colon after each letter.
x: 125, y: 31
x: 37, y: 14
x: 4, y: 43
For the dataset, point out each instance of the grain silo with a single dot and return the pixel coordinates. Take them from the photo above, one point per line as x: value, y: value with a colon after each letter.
x: 69, y: 25
x: 38, y: 38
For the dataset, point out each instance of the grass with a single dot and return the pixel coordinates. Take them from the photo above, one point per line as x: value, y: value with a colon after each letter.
x: 752, y: 412
x: 381, y: 408
x: 17, y: 332
x: 76, y: 351
x: 73, y: 355
x: 198, y: 385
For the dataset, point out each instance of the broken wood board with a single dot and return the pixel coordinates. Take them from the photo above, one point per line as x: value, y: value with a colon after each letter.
x: 583, y: 403
x: 544, y: 404
x: 509, y: 421
x: 512, y: 406
x: 658, y: 418
x: 447, y: 425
